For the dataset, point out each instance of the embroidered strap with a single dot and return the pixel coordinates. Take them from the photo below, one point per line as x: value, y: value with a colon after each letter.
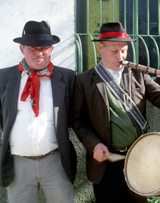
x: 120, y: 94
x: 32, y: 86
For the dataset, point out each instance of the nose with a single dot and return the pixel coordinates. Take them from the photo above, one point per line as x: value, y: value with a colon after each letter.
x: 38, y: 53
x: 119, y: 56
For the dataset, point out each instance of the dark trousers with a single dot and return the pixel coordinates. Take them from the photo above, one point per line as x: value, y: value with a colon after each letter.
x: 113, y: 187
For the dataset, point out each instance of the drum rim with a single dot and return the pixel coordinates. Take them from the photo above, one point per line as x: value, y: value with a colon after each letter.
x: 157, y: 191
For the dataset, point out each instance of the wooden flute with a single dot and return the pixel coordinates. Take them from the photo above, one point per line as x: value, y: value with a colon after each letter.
x: 142, y: 68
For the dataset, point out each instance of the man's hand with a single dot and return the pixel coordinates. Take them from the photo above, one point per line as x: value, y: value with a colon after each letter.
x: 100, y: 152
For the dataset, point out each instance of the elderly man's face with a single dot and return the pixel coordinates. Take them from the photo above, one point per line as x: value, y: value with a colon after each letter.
x: 36, y: 57
x: 112, y: 53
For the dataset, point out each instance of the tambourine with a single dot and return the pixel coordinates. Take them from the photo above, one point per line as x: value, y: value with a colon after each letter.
x: 142, y: 165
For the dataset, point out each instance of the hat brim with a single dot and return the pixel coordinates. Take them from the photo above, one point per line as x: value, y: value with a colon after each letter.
x: 114, y: 40
x: 37, y: 40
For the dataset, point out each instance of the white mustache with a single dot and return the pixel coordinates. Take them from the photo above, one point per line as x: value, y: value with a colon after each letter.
x: 39, y: 57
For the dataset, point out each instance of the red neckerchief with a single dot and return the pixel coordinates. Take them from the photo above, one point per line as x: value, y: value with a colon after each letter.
x: 32, y: 86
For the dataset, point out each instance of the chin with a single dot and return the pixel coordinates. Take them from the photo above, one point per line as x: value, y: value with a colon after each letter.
x: 117, y: 68
x: 40, y: 65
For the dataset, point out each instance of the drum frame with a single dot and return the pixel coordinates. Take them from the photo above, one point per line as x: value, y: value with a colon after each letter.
x: 147, y: 194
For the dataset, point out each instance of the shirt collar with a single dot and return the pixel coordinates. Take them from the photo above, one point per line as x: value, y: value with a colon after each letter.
x: 116, y: 74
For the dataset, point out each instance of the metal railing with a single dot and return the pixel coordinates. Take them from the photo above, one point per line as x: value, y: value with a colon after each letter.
x: 138, y: 20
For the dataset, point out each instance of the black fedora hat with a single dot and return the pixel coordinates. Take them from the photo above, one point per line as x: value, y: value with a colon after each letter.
x: 37, y: 34
x: 113, y: 31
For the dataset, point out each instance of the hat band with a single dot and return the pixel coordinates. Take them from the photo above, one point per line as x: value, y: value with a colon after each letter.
x: 113, y: 34
x: 37, y: 37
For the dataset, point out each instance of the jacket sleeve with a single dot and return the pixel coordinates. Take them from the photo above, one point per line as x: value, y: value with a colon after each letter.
x: 80, y: 118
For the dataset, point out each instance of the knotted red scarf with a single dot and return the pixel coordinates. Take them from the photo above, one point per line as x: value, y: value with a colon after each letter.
x: 32, y: 86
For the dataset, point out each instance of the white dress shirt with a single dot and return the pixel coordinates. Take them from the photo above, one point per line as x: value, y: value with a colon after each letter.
x: 30, y: 135
x: 116, y: 74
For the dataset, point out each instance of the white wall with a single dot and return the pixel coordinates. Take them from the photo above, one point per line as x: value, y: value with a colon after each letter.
x: 58, y: 13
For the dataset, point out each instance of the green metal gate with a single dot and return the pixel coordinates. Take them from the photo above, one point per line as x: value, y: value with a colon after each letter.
x: 140, y: 18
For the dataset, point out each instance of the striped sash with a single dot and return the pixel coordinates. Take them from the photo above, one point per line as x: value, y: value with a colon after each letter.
x: 121, y: 95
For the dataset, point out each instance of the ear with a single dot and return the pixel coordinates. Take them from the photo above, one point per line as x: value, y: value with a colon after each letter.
x: 52, y: 48
x: 21, y: 48
x: 100, y: 46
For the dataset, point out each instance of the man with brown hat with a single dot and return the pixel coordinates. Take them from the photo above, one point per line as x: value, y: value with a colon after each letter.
x: 35, y: 98
x: 108, y: 114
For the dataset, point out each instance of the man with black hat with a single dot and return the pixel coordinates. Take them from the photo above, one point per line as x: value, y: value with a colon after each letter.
x: 35, y: 98
x: 108, y: 114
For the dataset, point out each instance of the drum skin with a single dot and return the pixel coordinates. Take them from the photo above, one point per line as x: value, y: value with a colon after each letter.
x: 142, y: 165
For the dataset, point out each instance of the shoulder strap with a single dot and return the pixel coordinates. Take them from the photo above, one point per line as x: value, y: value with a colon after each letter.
x: 123, y: 96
